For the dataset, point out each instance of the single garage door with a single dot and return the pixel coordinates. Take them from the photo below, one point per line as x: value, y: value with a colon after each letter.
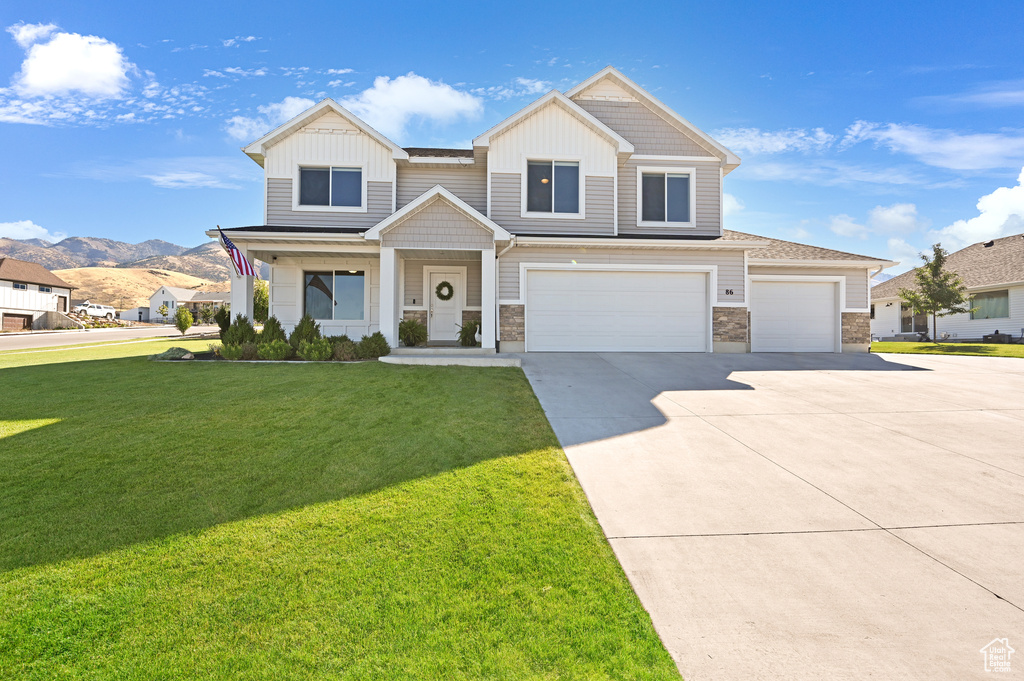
x: 17, y: 322
x: 793, y: 316
x: 609, y: 311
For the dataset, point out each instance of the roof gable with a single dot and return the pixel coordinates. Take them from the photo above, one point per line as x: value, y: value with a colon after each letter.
x: 341, y: 116
x: 26, y: 272
x: 437, y: 192
x: 609, y: 80
x: 778, y: 250
x: 556, y: 98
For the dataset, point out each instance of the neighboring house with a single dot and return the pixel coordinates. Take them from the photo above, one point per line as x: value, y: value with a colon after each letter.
x: 135, y: 314
x: 28, y: 291
x: 993, y: 272
x: 588, y: 221
x: 174, y: 297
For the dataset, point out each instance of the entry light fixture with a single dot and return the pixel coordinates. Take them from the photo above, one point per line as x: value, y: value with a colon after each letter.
x: 351, y: 271
x: 544, y: 180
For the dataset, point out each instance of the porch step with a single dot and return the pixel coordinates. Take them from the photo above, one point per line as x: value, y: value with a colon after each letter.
x: 449, y: 359
x: 443, y: 351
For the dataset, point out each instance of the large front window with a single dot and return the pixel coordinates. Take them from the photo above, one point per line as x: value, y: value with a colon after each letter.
x: 991, y: 305
x: 552, y: 187
x: 665, y: 197
x: 335, y: 295
x: 912, y: 323
x: 341, y: 187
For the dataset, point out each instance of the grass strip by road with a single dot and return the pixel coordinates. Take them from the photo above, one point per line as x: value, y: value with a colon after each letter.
x: 977, y: 349
x: 353, y: 521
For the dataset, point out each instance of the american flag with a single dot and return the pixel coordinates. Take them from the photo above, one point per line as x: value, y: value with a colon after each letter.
x: 242, y: 264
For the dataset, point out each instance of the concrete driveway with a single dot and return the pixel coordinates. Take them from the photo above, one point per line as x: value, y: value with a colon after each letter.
x: 806, y: 516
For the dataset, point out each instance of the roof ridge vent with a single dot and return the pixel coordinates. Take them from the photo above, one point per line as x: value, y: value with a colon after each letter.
x: 989, y: 244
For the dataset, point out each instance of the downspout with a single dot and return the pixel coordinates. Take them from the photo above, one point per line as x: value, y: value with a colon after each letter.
x: 497, y: 269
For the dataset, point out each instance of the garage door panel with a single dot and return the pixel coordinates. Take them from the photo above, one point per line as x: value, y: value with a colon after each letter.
x: 789, y: 316
x: 607, y: 311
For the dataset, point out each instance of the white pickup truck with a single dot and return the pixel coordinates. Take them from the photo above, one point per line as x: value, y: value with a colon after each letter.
x: 94, y: 310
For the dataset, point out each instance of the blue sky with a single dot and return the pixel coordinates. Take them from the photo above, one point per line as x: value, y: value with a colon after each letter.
x: 872, y: 127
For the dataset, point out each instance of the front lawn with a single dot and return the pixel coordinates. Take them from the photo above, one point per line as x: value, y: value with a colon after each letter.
x: 359, y: 521
x: 981, y: 349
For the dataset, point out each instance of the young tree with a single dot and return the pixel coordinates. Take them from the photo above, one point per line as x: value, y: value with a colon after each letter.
x: 938, y: 292
x: 260, y: 301
x: 163, y: 311
x: 206, y: 313
x: 183, y: 320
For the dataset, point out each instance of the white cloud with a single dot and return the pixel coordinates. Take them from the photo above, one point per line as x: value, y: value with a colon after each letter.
x: 835, y: 174
x: 26, y: 229
x: 338, y: 72
x: 69, y: 62
x: 757, y: 141
x: 1000, y: 213
x: 845, y: 225
x: 902, y: 251
x: 518, y: 87
x: 730, y: 204
x: 249, y: 128
x: 942, y: 148
x: 899, y: 218
x: 28, y: 34
x: 181, y: 172
x: 183, y: 179
x: 235, y: 72
x: 238, y: 40
x: 992, y: 95
x: 392, y: 103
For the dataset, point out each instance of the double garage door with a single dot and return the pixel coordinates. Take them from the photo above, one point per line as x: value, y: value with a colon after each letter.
x: 16, y: 322
x: 645, y: 311
x: 616, y: 311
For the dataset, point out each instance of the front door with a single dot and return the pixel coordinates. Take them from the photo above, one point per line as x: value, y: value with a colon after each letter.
x: 62, y: 304
x: 445, y: 316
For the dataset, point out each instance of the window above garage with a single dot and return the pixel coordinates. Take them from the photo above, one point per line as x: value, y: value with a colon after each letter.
x: 553, y: 189
x: 665, y: 197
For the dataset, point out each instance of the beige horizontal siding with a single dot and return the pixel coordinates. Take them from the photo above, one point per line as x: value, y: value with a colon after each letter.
x: 707, y: 198
x: 469, y: 183
x: 729, y: 263
x: 647, y: 131
x: 856, y: 279
x: 279, y: 208
x: 414, y: 280
x: 438, y: 225
x: 506, y: 208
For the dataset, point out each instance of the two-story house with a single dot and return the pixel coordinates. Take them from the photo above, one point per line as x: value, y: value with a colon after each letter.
x: 591, y: 220
x: 28, y: 292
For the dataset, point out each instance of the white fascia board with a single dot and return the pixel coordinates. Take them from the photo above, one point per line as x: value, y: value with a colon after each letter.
x: 853, y: 264
x: 527, y: 242
x: 256, y: 149
x: 255, y: 237
x: 500, y: 234
x: 624, y: 146
x: 731, y: 159
x: 442, y: 160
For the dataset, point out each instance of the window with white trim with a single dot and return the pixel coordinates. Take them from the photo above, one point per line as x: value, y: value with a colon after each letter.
x: 337, y: 187
x: 338, y: 295
x: 20, y: 287
x: 665, y: 197
x: 553, y: 187
x: 991, y: 305
x: 44, y: 289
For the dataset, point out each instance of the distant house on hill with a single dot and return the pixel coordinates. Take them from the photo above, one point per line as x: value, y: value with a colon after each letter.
x: 174, y: 297
x: 28, y: 291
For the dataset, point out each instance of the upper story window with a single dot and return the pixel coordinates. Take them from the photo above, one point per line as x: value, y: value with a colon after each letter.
x: 991, y: 305
x: 553, y: 187
x: 44, y: 289
x: 20, y: 287
x: 337, y: 187
x: 666, y: 197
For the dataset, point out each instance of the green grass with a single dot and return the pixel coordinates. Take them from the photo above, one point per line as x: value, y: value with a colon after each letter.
x: 358, y: 521
x: 981, y: 349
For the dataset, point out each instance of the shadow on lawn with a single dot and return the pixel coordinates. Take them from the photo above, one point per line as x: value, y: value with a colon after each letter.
x: 144, y: 450
x: 960, y: 348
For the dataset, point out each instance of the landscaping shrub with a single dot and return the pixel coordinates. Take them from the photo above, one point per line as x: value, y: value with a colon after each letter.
x: 306, y: 330
x: 230, y: 351
x: 183, y: 320
x: 260, y: 300
x: 223, y: 319
x: 467, y: 334
x: 275, y: 350
x: 271, y: 332
x: 315, y: 350
x: 412, y: 332
x: 250, y: 351
x: 338, y: 339
x: 173, y: 353
x: 240, y: 331
x: 372, y: 347
x: 345, y: 351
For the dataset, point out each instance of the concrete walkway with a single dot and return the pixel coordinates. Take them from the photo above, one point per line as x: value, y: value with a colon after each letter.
x: 806, y: 516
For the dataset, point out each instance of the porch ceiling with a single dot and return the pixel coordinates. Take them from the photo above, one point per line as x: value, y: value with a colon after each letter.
x: 432, y: 254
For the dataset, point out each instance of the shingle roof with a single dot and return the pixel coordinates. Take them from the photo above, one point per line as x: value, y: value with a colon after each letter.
x: 1001, y: 262
x: 432, y: 152
x: 27, y: 272
x: 777, y: 249
x: 187, y: 295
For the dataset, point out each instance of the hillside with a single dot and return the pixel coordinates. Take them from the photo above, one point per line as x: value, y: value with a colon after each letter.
x: 129, y: 287
x: 208, y: 261
x: 85, y: 251
x: 45, y: 255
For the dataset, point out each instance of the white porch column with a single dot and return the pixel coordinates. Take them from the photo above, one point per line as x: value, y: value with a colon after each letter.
x: 389, y: 295
x: 488, y: 298
x: 241, y: 290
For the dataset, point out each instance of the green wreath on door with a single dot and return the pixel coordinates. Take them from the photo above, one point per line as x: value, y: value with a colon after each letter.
x: 444, y: 290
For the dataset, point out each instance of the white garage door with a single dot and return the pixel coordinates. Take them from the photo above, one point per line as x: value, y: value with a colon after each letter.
x: 793, y: 316
x: 608, y: 311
